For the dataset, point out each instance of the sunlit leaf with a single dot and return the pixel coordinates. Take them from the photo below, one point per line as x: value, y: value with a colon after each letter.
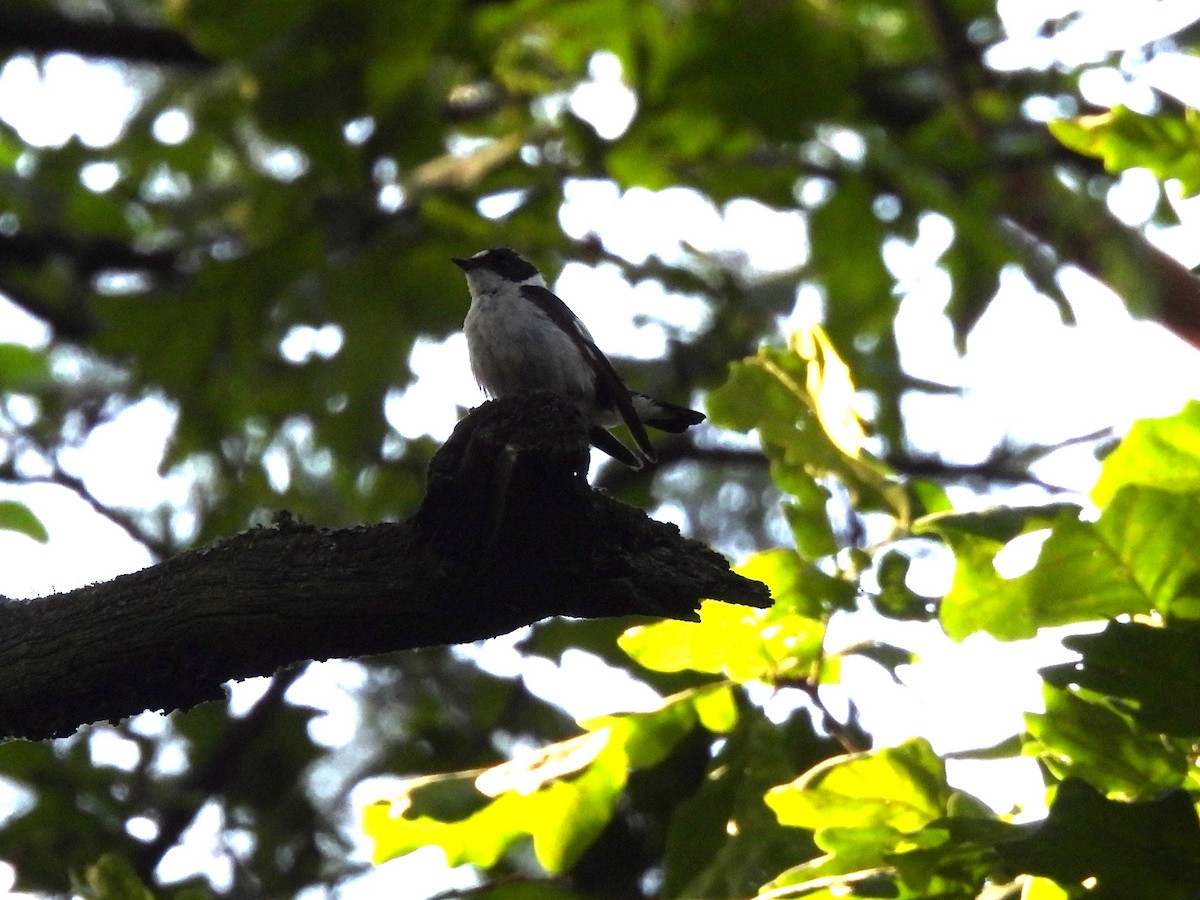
x: 1161, y: 453
x: 529, y: 772
x: 716, y: 709
x: 804, y: 407
x: 736, y: 642
x: 1168, y: 144
x: 561, y: 796
x: 899, y: 789
x: 798, y: 586
x: 742, y: 643
x: 562, y: 817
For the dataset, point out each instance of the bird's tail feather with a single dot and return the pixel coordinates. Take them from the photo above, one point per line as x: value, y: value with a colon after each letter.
x: 603, y: 440
x: 663, y: 415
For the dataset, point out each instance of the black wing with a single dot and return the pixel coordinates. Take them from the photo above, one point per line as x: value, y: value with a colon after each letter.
x: 604, y: 440
x: 609, y: 385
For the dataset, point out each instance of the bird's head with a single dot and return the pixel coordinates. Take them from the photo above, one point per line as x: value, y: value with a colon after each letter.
x: 489, y: 271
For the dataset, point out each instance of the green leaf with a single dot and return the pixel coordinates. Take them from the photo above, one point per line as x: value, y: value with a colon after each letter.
x: 562, y: 816
x: 18, y: 517
x: 887, y: 821
x: 738, y: 643
x: 798, y: 586
x: 895, y: 598
x: 112, y: 878
x: 1085, y: 739
x: 847, y: 250
x: 1166, y: 144
x: 10, y: 150
x: 561, y: 795
x: 404, y: 38
x: 979, y: 599
x: 727, y: 52
x: 1140, y: 555
x: 811, y: 529
x: 568, y: 815
x: 1154, y: 667
x: 716, y: 709
x: 899, y: 789
x: 996, y: 526
x: 1141, y: 849
x: 745, y: 644
x: 1161, y: 453
x: 22, y: 368
x: 802, y: 402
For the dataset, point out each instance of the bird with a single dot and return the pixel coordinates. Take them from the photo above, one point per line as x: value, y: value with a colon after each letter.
x: 521, y: 337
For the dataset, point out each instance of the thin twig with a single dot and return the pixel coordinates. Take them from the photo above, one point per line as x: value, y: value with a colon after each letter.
x: 159, y: 548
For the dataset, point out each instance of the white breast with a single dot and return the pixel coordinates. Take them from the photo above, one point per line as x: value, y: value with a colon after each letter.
x: 515, y: 347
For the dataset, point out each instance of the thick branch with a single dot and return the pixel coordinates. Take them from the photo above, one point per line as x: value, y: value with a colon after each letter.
x: 1170, y: 289
x: 88, y: 255
x: 509, y: 533
x: 41, y: 32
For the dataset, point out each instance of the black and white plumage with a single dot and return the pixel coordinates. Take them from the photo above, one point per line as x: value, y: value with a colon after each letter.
x: 521, y: 337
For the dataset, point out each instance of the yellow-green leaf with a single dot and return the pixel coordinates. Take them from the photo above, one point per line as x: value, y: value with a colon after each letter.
x: 716, y: 709
x: 1167, y: 144
x: 561, y: 796
x: 1161, y: 453
x: 18, y: 517
x: 901, y: 788
x: 733, y: 641
x: 803, y: 403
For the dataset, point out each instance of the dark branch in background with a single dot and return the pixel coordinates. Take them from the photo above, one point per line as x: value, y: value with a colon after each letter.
x: 209, y: 775
x: 87, y: 257
x: 71, y: 323
x: 990, y: 471
x: 41, y: 33
x: 1004, y: 465
x: 1082, y: 239
x: 160, y: 548
x: 681, y: 449
x: 954, y: 56
x: 1174, y: 288
x: 509, y: 533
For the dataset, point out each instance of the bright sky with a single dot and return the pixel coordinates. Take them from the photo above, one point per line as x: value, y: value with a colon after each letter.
x: 1028, y: 376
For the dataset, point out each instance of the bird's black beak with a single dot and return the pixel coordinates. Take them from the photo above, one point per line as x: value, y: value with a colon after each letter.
x: 465, y: 264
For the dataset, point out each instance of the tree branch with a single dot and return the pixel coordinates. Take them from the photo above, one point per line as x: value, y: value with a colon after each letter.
x: 214, y: 771
x: 1081, y: 237
x: 160, y: 548
x: 88, y: 255
x: 509, y: 533
x: 39, y: 32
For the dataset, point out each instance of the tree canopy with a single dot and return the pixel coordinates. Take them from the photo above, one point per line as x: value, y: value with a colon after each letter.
x: 264, y: 249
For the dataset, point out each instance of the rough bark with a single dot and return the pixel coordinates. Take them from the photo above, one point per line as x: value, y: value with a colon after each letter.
x: 509, y: 533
